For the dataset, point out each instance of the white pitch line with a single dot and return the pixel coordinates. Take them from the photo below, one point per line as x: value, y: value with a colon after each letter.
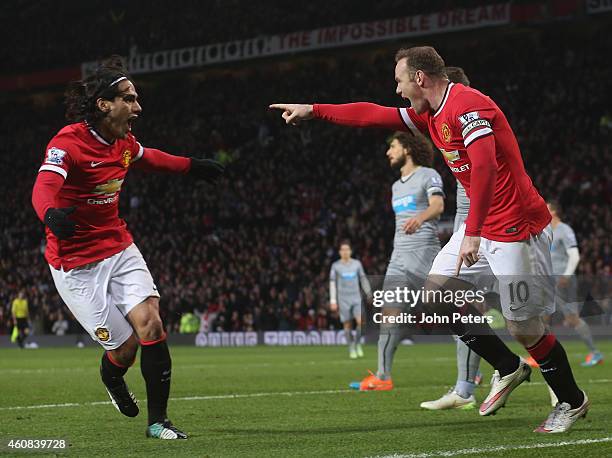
x: 186, y: 398
x: 240, y: 396
x: 242, y: 365
x: 183, y: 366
x: 499, y: 448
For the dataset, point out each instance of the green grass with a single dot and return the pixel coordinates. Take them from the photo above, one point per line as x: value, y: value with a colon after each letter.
x: 336, y: 423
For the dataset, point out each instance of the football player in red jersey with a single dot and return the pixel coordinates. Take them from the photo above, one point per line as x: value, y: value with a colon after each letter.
x: 98, y: 271
x: 506, y: 234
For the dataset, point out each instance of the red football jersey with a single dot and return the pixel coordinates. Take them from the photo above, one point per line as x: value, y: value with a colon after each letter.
x: 94, y: 171
x: 465, y: 115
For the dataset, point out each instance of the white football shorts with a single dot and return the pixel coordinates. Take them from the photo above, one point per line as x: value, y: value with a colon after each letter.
x: 523, y: 270
x: 101, y: 294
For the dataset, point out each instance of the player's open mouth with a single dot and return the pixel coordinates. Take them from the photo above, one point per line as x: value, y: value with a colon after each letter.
x: 130, y: 121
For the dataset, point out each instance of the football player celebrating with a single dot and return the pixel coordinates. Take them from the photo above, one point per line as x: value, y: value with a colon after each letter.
x: 507, y: 232
x: 461, y: 396
x: 97, y: 270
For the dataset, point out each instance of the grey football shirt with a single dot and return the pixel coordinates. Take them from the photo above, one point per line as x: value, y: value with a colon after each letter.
x: 463, y: 207
x: 410, y: 196
x: 349, y: 277
x: 564, y: 238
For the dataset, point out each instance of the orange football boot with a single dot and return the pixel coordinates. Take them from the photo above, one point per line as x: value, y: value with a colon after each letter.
x: 373, y: 383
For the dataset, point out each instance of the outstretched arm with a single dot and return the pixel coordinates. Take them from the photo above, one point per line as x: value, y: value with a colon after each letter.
x: 154, y: 160
x: 359, y: 114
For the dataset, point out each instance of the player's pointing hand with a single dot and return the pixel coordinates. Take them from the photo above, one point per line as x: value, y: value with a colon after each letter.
x: 294, y: 113
x: 468, y: 252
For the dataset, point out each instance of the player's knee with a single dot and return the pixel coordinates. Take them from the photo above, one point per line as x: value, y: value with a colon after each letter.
x: 525, y: 340
x: 146, y: 321
x: 126, y: 353
x: 151, y: 328
x: 433, y: 295
x: 573, y: 321
x: 527, y: 332
x: 517, y: 331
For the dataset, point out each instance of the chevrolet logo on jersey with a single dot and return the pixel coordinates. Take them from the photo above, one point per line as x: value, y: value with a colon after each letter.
x: 451, y: 156
x: 109, y: 188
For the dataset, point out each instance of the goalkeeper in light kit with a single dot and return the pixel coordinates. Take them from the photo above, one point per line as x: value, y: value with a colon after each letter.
x: 97, y: 270
x: 346, y: 280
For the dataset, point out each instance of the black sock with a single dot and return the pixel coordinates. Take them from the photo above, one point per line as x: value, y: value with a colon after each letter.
x: 556, y: 370
x: 494, y: 351
x: 156, y: 367
x: 481, y: 339
x: 112, y: 374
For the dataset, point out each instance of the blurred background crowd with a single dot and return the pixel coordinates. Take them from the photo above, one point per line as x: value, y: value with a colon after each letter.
x: 145, y: 26
x: 254, y: 252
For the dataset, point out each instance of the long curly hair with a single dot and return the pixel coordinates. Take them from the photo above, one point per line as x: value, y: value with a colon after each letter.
x: 419, y: 148
x: 81, y: 96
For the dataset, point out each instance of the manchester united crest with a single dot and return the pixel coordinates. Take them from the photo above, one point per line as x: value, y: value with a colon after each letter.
x: 446, y: 133
x: 102, y: 334
x: 126, y: 158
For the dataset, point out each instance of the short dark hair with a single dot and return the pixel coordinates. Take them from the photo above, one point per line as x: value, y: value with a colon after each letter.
x: 556, y: 207
x: 345, y: 242
x: 418, y: 147
x: 424, y: 58
x: 81, y: 96
x: 457, y: 75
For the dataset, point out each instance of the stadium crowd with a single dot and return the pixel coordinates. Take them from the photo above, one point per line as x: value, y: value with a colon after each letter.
x: 255, y: 251
x: 122, y: 27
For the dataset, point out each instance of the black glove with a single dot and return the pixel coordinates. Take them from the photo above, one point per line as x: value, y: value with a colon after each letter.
x: 57, y: 220
x: 206, y: 169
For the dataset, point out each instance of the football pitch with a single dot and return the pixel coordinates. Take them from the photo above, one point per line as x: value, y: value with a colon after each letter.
x: 290, y: 401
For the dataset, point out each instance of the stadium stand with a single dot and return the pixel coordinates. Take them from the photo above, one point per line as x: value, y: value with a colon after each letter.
x: 146, y: 26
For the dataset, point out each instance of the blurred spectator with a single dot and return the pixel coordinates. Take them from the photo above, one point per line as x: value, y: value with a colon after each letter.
x: 60, y: 325
x: 190, y: 323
